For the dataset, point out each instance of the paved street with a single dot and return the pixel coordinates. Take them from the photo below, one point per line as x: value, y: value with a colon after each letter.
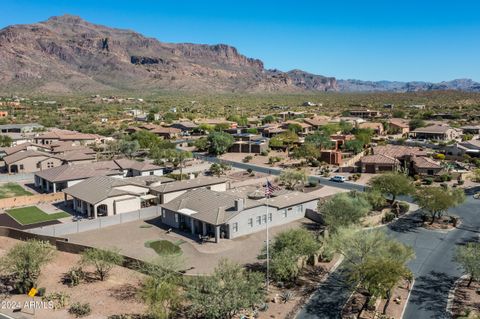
x: 434, y: 268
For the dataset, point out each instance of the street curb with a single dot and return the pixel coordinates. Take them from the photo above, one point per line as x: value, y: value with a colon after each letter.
x: 408, y: 299
x: 451, y: 294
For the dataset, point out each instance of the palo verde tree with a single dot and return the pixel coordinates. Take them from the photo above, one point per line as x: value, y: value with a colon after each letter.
x: 219, y: 142
x: 392, y: 184
x: 24, y: 263
x: 320, y: 140
x: 228, y: 290
x: 374, y: 262
x: 291, y: 178
x: 102, y: 259
x: 437, y: 200
x: 468, y: 256
x: 344, y: 209
x: 286, y: 250
x: 161, y: 289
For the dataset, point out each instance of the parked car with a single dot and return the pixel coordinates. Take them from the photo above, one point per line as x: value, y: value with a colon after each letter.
x: 338, y: 179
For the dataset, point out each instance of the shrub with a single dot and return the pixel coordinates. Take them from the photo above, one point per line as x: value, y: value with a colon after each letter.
x: 247, y: 158
x: 439, y: 156
x: 286, y: 296
x: 59, y: 299
x: 264, y: 153
x: 315, y: 163
x: 428, y: 181
x: 41, y: 292
x: 389, y: 216
x: 74, y: 276
x: 80, y: 309
x: 404, y: 207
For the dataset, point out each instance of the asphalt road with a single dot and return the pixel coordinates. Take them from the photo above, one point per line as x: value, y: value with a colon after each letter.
x: 434, y: 269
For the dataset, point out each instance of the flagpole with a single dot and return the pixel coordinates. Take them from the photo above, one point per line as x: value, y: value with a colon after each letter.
x: 268, y: 244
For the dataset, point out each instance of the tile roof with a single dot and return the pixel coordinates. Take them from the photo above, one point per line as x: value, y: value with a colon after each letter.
x: 22, y: 147
x: 209, y: 206
x: 434, y: 129
x: 98, y: 188
x: 69, y: 172
x: 287, y: 199
x: 399, y: 122
x: 378, y: 159
x: 372, y: 125
x: 136, y: 165
x: 188, y: 184
x: 398, y: 151
x: 425, y: 162
x: 15, y: 157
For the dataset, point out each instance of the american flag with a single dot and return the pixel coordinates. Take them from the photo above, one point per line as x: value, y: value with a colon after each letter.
x: 270, y: 188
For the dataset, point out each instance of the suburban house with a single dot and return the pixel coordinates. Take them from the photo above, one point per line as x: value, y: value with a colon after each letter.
x: 305, y: 128
x: 378, y: 163
x: 436, y: 132
x: 107, y: 196
x: 30, y: 161
x: 248, y: 143
x: 170, y: 191
x: 166, y: 132
x: 317, y: 122
x: 20, y: 138
x: 57, y: 135
x: 413, y: 160
x: 460, y: 149
x: 225, y: 215
x: 398, y: 126
x: 425, y: 166
x: 290, y: 115
x: 364, y: 114
x: 377, y: 128
x: 271, y: 130
x: 61, y: 177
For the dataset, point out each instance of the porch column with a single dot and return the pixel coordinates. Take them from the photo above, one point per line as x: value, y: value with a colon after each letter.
x: 192, y: 225
x: 95, y: 210
x: 65, y: 199
x: 217, y: 234
x: 89, y: 210
x: 54, y: 187
x: 204, y: 226
x: 74, y: 204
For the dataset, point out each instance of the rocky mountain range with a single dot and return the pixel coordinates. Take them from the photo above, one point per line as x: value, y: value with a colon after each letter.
x: 67, y: 54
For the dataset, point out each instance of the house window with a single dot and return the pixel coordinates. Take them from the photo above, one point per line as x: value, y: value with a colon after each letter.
x: 21, y: 166
x: 235, y: 227
x: 270, y: 217
x: 259, y: 220
x: 151, y: 173
x: 250, y: 222
x: 283, y: 212
x: 264, y: 218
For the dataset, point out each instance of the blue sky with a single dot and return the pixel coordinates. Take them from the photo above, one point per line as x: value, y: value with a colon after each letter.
x: 369, y: 40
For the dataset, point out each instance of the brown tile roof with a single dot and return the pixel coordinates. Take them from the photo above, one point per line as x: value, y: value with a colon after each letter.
x: 66, y: 135
x: 302, y: 124
x: 378, y: 159
x: 79, y: 171
x: 425, y: 162
x: 434, y: 129
x: 399, y: 122
x: 23, y: 147
x: 166, y: 130
x: 15, y: 157
x: 317, y: 121
x: 136, y: 165
x: 398, y: 151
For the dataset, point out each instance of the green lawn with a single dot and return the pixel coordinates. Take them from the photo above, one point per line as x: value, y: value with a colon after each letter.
x: 32, y: 215
x: 12, y: 190
x: 164, y: 247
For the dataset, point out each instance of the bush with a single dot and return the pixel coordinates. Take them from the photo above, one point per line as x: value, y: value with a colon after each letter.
x: 315, y: 163
x: 247, y: 159
x: 404, y: 207
x: 389, y: 216
x: 428, y: 181
x: 264, y: 153
x: 439, y: 156
x: 286, y: 296
x: 59, y: 299
x: 80, y: 309
x: 74, y: 276
x: 41, y: 292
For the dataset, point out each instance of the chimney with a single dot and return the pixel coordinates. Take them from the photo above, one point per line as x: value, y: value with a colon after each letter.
x: 239, y: 204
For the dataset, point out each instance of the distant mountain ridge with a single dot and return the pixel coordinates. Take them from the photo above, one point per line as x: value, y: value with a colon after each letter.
x: 67, y: 54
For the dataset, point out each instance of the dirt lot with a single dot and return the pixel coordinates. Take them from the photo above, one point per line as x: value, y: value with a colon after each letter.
x: 104, y: 297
